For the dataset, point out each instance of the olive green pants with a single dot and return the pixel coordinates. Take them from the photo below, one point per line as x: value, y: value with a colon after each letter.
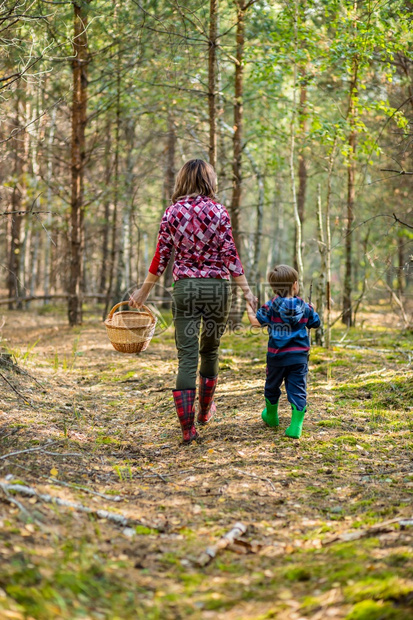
x: 197, y: 300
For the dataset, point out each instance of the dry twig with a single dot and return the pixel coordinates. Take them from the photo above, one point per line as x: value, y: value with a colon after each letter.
x: 25, y: 400
x: 246, y: 473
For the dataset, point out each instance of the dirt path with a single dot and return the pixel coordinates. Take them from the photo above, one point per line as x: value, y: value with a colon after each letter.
x: 105, y: 422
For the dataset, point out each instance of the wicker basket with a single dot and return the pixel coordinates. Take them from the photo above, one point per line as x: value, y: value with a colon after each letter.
x: 128, y: 331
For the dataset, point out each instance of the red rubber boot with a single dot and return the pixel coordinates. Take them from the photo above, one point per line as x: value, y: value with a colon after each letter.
x: 184, y: 404
x: 207, y: 408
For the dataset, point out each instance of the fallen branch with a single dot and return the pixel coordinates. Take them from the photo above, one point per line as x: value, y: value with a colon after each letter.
x: 5, y: 456
x: 114, y: 517
x: 228, y: 539
x: 15, y: 502
x: 62, y: 453
x: 78, y: 487
x: 379, y: 528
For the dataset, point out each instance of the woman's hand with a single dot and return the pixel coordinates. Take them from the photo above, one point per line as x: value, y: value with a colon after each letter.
x: 248, y: 294
x: 138, y: 297
x: 251, y: 300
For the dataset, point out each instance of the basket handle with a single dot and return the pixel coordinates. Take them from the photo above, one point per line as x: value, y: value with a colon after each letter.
x: 126, y: 303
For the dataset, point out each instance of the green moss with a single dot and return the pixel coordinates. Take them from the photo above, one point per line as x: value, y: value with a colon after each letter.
x: 331, y: 423
x: 399, y: 559
x: 372, y: 610
x: 392, y: 391
x: 337, y: 363
x: 297, y: 573
x: 378, y: 588
x: 310, y: 604
x: 144, y: 531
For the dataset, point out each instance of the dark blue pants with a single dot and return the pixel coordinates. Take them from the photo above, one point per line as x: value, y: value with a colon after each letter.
x: 295, y: 378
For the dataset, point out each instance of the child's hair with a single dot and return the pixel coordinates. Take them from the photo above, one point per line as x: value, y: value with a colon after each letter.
x: 281, y: 279
x: 196, y: 177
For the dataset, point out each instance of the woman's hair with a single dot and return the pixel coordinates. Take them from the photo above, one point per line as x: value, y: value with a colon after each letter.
x: 196, y: 178
x: 281, y: 279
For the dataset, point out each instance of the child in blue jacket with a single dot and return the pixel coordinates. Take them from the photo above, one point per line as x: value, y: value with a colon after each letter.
x: 287, y: 318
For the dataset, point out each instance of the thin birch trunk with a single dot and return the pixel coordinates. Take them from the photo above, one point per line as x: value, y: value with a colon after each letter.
x: 302, y: 162
x: 328, y: 242
x: 168, y: 191
x: 322, y: 280
x: 298, y: 256
x: 114, y: 231
x: 24, y: 270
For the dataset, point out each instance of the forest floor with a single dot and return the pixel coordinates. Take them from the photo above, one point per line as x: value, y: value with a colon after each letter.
x: 325, y: 515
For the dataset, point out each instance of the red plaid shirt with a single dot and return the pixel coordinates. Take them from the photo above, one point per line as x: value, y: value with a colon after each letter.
x: 200, y: 231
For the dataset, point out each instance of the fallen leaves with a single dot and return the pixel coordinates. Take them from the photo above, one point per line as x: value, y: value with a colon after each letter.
x: 296, y: 502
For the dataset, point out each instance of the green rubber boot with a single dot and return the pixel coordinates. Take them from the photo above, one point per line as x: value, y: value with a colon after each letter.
x: 296, y: 424
x: 270, y: 414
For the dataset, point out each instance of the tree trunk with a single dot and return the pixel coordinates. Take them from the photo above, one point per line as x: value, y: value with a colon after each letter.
x: 298, y: 229
x: 123, y: 266
x: 238, y: 118
x: 34, y: 258
x: 321, y: 288
x: 13, y: 282
x: 79, y: 108
x: 237, y: 306
x: 49, y: 219
x: 114, y: 244
x: 260, y: 218
x: 168, y: 191
x: 328, y: 243
x: 400, y: 254
x: 106, y: 210
x: 129, y: 200
x: 212, y: 70
x: 302, y: 163
x: 277, y: 242
x: 347, y: 316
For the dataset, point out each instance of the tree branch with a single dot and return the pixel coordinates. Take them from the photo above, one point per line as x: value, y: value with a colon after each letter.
x: 402, y: 223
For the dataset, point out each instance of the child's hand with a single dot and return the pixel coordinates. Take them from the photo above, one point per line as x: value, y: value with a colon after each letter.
x: 251, y: 315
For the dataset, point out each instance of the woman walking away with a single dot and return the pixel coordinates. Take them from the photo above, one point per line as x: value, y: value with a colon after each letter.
x: 199, y: 230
